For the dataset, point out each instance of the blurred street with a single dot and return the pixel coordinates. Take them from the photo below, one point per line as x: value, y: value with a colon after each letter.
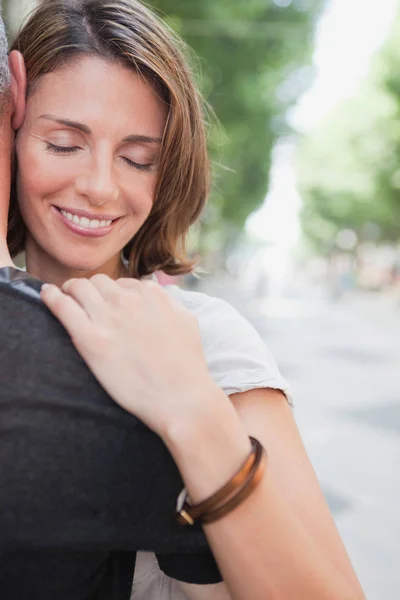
x: 342, y: 362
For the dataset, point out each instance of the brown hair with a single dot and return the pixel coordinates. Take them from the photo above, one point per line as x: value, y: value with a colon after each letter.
x: 59, y: 31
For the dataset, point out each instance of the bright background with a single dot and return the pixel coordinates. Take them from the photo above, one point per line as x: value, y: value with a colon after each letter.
x: 302, y: 232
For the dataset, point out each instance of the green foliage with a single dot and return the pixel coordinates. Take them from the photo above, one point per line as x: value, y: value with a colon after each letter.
x: 349, y: 167
x: 246, y: 51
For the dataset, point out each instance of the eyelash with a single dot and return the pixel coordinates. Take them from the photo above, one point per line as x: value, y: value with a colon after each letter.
x: 62, y: 149
x: 72, y: 149
x: 137, y: 165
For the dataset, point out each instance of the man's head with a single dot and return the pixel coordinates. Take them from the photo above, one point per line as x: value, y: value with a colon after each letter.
x: 12, y: 110
x: 4, y: 71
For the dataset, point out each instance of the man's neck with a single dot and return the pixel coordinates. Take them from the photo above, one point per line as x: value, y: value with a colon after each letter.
x: 6, y: 144
x: 5, y: 258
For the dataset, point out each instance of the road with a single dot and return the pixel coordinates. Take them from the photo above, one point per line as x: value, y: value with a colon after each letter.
x: 342, y: 361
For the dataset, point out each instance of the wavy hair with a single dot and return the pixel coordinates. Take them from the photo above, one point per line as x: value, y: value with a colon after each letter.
x: 60, y: 31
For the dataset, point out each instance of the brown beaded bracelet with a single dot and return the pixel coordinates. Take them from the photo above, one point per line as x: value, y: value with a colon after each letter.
x: 233, y: 493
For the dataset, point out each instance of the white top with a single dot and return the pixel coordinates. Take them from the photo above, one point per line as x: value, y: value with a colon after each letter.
x: 238, y: 360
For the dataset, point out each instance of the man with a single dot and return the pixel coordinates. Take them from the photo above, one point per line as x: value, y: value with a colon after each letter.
x: 83, y: 484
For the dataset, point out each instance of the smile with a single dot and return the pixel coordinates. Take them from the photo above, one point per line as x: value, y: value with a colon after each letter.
x: 84, y: 224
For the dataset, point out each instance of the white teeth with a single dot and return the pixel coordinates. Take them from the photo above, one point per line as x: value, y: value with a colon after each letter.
x: 84, y: 222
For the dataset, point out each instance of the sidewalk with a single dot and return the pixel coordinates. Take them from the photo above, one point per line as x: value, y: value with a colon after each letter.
x: 342, y: 361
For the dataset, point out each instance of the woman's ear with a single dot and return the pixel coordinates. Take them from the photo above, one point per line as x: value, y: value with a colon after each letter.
x: 18, y: 88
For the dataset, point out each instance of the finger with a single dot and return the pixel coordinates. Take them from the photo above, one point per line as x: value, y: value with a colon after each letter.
x: 70, y: 314
x: 87, y: 296
x: 128, y: 283
x: 108, y: 288
x: 146, y: 287
x: 149, y: 292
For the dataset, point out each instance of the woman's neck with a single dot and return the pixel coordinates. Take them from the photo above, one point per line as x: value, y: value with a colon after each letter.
x: 44, y: 267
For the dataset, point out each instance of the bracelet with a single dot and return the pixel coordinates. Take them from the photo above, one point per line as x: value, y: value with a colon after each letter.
x: 233, y: 493
x: 190, y: 512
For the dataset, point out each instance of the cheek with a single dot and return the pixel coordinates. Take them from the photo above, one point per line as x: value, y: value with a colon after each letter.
x: 141, y: 196
x: 37, y: 176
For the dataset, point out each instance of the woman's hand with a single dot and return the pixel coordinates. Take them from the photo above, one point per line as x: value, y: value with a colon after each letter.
x: 143, y: 347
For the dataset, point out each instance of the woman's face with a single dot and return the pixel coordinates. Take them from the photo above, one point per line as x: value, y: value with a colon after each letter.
x: 88, y: 155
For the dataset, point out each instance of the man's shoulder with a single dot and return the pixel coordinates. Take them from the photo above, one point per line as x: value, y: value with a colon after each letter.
x: 27, y: 328
x: 19, y: 284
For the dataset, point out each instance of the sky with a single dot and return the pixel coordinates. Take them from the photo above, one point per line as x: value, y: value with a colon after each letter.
x: 347, y: 35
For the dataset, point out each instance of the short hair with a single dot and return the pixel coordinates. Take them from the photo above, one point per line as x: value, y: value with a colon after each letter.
x: 4, y: 70
x: 126, y: 31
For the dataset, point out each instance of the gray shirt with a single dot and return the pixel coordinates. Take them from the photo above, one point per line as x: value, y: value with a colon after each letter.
x: 83, y: 484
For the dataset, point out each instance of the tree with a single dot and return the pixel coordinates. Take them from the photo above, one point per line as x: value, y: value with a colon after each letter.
x: 349, y: 170
x: 247, y: 51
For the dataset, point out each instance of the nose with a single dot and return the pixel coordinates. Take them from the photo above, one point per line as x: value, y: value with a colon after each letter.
x: 97, y: 183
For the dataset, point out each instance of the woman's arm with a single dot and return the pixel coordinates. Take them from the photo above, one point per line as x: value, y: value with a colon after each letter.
x: 281, y: 543
x: 146, y: 351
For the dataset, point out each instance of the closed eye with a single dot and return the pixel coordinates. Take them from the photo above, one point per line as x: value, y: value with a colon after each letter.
x: 61, y: 149
x: 139, y: 166
x: 71, y: 149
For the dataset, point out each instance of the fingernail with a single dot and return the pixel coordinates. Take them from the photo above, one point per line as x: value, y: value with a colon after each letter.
x: 67, y: 283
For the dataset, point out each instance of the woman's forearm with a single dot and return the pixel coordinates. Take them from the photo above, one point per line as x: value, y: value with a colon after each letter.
x: 281, y: 542
x: 262, y: 548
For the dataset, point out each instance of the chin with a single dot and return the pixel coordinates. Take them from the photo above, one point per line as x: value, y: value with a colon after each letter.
x: 84, y: 264
x: 84, y: 267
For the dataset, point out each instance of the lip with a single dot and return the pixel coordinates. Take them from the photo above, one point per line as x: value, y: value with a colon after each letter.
x: 84, y: 232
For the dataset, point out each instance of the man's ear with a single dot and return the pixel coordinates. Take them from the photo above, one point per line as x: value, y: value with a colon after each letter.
x: 18, y: 88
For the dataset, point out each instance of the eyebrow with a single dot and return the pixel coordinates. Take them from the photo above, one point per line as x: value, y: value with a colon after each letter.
x: 67, y: 123
x: 135, y: 138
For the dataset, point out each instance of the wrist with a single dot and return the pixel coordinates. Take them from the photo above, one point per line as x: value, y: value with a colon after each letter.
x: 208, y: 445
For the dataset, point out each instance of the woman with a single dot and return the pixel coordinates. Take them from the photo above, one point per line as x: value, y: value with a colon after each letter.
x: 111, y: 172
